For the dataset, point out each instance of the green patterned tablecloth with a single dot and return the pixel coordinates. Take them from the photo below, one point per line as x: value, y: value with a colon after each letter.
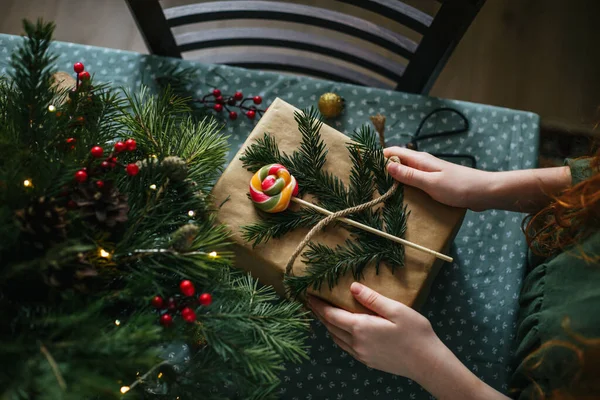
x: 473, y: 304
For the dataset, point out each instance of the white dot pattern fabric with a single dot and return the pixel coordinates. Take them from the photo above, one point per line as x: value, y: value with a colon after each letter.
x: 473, y: 302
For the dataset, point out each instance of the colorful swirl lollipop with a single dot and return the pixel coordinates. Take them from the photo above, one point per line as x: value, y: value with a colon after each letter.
x: 272, y: 188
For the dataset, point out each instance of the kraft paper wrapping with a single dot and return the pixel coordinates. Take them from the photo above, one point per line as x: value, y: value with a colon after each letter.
x: 430, y: 224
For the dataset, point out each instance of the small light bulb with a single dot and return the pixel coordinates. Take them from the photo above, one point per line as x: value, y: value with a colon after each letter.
x: 27, y: 183
x: 159, y: 375
x: 191, y: 213
x: 213, y: 254
x: 153, y: 156
x: 51, y: 108
x: 104, y: 254
x: 124, y: 389
x: 153, y: 186
x: 117, y: 322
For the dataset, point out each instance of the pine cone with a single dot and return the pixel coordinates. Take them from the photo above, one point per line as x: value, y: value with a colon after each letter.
x: 74, y: 276
x: 183, y: 238
x: 42, y: 223
x: 175, y: 168
x: 104, y: 207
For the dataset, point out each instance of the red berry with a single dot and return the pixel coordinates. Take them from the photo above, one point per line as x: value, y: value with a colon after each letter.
x: 171, y: 305
x: 216, y: 92
x: 205, y: 299
x: 251, y: 114
x: 218, y: 107
x: 257, y: 99
x: 71, y: 204
x: 99, y: 184
x: 70, y: 140
x: 132, y: 169
x: 188, y: 315
x: 238, y: 95
x: 84, y: 76
x: 232, y: 115
x: 219, y: 100
x: 187, y: 288
x: 105, y: 164
x: 166, y: 320
x: 130, y: 144
x: 120, y: 146
x: 157, y: 302
x: 81, y: 176
x: 78, y: 67
x: 97, y: 151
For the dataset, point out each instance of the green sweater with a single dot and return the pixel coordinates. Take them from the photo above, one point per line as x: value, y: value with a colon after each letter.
x: 563, y: 286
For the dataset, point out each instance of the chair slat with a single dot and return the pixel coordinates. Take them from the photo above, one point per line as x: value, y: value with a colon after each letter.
x: 156, y: 32
x: 279, y: 11
x: 290, y: 39
x: 320, y: 68
x: 396, y: 10
x: 449, y: 25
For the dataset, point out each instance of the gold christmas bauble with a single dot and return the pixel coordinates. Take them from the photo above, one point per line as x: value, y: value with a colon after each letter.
x: 331, y: 105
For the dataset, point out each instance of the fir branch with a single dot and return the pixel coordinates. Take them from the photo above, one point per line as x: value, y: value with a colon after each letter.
x: 327, y: 265
x: 98, y: 338
x: 264, y: 152
x: 312, y: 152
x: 279, y: 224
x: 32, y: 76
x: 361, y: 177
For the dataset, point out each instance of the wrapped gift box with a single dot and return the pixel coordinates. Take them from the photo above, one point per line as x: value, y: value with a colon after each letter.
x: 430, y: 224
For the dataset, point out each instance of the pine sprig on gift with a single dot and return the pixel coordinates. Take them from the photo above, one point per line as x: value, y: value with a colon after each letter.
x: 367, y: 176
x: 276, y: 225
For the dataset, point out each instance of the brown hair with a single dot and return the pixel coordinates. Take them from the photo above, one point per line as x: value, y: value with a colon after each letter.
x: 571, y: 216
x: 560, y: 226
x: 580, y: 383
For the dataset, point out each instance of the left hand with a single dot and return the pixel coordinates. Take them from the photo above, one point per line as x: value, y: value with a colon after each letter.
x: 398, y: 340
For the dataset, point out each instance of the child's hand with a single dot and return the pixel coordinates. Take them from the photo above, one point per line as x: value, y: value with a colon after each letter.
x: 448, y: 183
x: 398, y: 340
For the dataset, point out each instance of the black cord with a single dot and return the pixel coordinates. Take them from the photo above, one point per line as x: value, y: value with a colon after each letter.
x: 415, y: 139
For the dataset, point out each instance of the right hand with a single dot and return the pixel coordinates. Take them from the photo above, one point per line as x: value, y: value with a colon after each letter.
x: 448, y: 183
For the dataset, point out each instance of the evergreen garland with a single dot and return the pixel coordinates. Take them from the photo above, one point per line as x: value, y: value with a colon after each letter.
x: 368, y: 174
x: 75, y: 295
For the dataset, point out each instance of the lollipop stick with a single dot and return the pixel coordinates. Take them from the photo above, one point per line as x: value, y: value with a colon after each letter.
x: 374, y: 231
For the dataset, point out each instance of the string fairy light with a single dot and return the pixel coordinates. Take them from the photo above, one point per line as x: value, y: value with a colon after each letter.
x: 213, y: 254
x: 27, y: 183
x: 191, y: 213
x: 125, y: 389
x: 103, y: 253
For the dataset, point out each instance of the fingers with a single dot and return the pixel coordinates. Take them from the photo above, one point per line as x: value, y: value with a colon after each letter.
x: 410, y: 176
x: 345, y: 346
x: 337, y: 317
x: 338, y: 333
x: 415, y: 159
x: 374, y: 301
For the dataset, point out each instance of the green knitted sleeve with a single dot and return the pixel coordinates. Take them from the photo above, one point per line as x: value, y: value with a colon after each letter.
x: 581, y: 169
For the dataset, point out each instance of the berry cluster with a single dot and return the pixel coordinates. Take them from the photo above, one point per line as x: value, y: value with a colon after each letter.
x: 184, y: 304
x: 110, y: 162
x: 222, y: 102
x: 82, y: 74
